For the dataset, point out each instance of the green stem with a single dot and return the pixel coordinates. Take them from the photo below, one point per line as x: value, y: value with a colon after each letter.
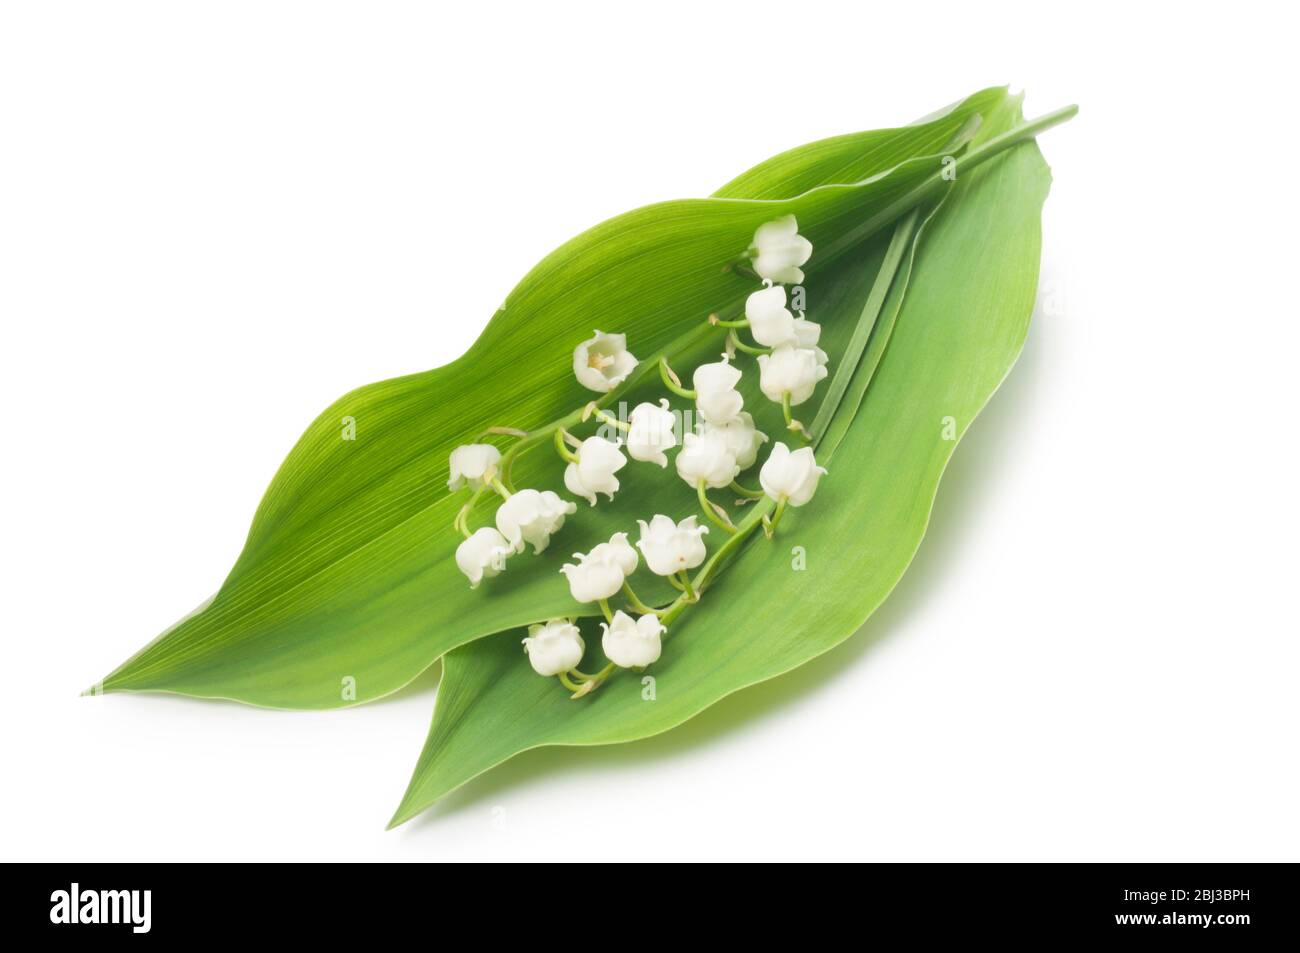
x: 709, y: 511
x: 635, y: 602
x: 568, y: 682
x: 462, y: 518
x: 937, y: 181
x: 792, y: 425
x: 746, y: 492
x: 848, y: 364
x: 562, y: 448
x: 742, y: 323
x: 500, y: 488
x: 752, y: 521
x: 667, y: 377
x: 691, y: 590
x: 740, y: 345
x: 604, y: 608
x: 592, y: 681
x: 607, y: 418
x: 769, y: 526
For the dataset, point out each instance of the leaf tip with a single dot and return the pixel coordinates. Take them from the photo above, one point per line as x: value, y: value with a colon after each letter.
x: 400, y: 817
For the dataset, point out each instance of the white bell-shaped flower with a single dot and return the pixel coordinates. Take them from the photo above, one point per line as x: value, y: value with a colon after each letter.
x: 650, y: 432
x: 791, y: 476
x: 599, y: 574
x: 770, y: 321
x: 603, y: 362
x: 483, y: 554
x: 554, y: 647
x: 531, y: 517
x: 742, y: 437
x: 670, y: 547
x: 716, y: 397
x: 598, y: 460
x: 707, y: 457
x: 791, y: 370
x: 806, y: 333
x: 632, y: 643
x: 618, y: 551
x: 472, y: 463
x: 779, y: 251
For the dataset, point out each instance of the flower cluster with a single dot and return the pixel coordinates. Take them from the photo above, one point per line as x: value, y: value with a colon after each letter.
x: 724, y: 443
x: 794, y: 364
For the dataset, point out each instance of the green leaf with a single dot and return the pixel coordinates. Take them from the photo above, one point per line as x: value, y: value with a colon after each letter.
x: 347, y: 589
x: 948, y: 342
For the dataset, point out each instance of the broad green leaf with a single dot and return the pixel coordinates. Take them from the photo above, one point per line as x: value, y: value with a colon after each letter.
x: 347, y: 577
x: 956, y: 333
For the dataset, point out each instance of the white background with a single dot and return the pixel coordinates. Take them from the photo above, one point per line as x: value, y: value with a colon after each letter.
x: 216, y: 218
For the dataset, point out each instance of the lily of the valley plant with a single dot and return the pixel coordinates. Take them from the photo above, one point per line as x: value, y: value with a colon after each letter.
x: 696, y: 447
x: 712, y: 457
